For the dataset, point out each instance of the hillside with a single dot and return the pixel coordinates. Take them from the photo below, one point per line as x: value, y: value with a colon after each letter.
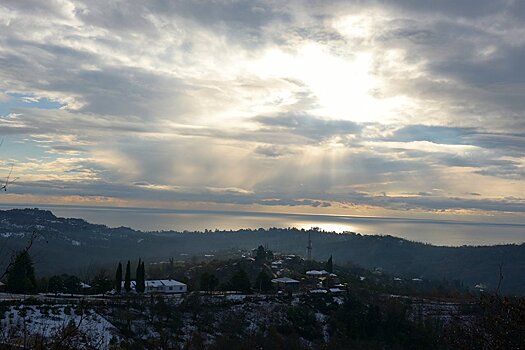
x: 68, y: 245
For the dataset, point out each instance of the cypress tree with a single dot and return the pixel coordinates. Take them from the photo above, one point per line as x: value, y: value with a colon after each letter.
x: 118, y: 278
x: 329, y: 266
x: 138, y: 277
x: 127, y: 279
x: 143, y: 278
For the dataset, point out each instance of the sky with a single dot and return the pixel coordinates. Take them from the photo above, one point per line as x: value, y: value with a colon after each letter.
x: 401, y: 108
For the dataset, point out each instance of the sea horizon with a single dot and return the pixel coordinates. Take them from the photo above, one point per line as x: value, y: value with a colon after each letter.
x: 444, y: 232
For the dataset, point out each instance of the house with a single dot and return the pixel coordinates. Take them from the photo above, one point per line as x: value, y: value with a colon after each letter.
x: 336, y: 290
x: 2, y: 287
x: 318, y: 291
x: 331, y: 280
x: 277, y: 264
x: 317, y: 274
x: 168, y: 286
x: 286, y: 284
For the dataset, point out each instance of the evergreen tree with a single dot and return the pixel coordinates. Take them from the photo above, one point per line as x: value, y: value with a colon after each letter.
x: 143, y: 278
x: 209, y: 282
x: 127, y: 278
x: 263, y: 283
x: 241, y: 282
x: 140, y: 283
x: 71, y: 284
x: 56, y: 284
x: 118, y: 278
x: 329, y: 266
x: 21, y: 277
x: 101, y: 283
x: 260, y: 253
x: 138, y: 276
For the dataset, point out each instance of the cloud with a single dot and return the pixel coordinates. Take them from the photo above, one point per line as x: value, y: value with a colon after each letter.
x: 311, y: 127
x: 267, y: 103
x: 272, y: 151
x: 435, y: 134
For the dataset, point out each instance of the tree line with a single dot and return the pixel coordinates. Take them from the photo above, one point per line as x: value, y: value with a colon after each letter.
x: 140, y: 278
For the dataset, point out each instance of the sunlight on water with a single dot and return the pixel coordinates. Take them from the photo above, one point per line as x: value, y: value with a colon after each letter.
x: 449, y: 233
x: 325, y: 226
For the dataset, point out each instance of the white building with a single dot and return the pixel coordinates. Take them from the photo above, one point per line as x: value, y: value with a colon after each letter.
x: 286, y: 283
x: 317, y: 274
x: 165, y: 286
x: 168, y: 286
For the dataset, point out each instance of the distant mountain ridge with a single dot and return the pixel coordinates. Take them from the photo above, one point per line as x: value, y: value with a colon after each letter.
x: 68, y: 244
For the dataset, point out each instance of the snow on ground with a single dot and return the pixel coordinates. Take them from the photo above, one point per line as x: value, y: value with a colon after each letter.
x: 322, y: 319
x: 50, y: 320
x: 235, y: 297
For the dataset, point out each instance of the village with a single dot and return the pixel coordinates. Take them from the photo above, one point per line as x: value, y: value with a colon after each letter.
x: 280, y: 274
x: 259, y: 271
x: 197, y: 304
x: 311, y: 281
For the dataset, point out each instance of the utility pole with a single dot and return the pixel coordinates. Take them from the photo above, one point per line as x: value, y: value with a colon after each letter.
x: 309, y: 247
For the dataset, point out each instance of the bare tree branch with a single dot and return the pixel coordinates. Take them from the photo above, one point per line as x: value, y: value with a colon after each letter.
x: 69, y: 332
x: 7, y: 181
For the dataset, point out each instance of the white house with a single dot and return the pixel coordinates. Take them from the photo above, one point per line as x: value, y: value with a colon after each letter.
x: 286, y: 283
x: 168, y: 286
x: 165, y: 286
x: 317, y: 274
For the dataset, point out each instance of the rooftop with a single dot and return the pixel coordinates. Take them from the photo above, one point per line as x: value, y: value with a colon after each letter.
x: 284, y: 280
x: 317, y: 273
x: 160, y: 283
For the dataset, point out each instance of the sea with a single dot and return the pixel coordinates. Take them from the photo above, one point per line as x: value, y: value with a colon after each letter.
x: 437, y: 232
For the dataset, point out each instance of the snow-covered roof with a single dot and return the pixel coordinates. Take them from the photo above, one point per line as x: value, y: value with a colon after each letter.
x: 156, y: 283
x: 160, y: 283
x: 284, y: 280
x: 317, y: 273
x: 319, y: 291
x: 335, y: 290
x: 84, y: 285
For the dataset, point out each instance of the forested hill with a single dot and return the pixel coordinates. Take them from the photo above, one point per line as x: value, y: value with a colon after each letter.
x: 68, y: 245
